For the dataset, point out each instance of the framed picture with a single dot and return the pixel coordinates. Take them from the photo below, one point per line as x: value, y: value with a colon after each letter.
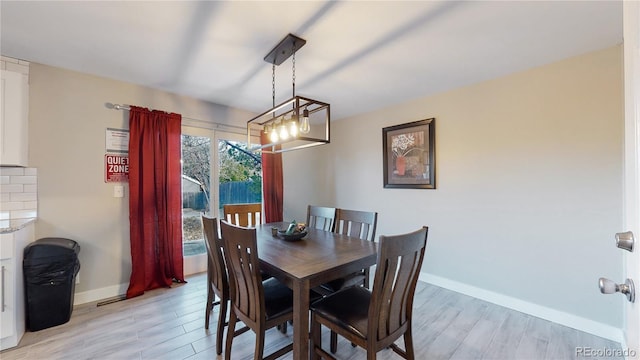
x: 408, y: 155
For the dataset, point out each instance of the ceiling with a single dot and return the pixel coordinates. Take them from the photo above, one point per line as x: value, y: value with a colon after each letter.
x: 360, y: 55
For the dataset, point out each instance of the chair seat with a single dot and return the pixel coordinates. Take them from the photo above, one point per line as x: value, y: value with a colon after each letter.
x: 348, y: 308
x: 278, y: 298
x: 347, y: 281
x: 264, y: 275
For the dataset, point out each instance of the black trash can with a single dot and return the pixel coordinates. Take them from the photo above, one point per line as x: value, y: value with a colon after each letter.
x: 50, y: 267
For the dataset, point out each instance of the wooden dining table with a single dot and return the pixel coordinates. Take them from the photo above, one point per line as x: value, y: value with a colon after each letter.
x: 319, y: 257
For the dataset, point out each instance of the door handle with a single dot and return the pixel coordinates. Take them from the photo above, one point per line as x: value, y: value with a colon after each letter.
x: 625, y: 240
x: 609, y: 287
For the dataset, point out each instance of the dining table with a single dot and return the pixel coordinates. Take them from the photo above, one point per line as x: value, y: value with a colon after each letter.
x: 303, y: 264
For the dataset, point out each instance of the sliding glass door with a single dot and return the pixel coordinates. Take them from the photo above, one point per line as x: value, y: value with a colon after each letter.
x: 217, y: 169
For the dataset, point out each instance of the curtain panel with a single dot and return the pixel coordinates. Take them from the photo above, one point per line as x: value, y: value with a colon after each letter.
x: 155, y: 201
x: 272, y: 184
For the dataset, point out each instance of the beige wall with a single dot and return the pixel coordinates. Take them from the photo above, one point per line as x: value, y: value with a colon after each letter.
x: 529, y: 187
x: 67, y: 122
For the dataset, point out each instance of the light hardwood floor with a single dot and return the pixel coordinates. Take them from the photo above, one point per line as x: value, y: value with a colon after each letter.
x: 169, y: 324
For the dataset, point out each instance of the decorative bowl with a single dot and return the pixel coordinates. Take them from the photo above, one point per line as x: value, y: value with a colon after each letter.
x: 297, y: 235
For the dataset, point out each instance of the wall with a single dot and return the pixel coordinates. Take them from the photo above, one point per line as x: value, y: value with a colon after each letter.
x: 529, y: 187
x: 67, y: 121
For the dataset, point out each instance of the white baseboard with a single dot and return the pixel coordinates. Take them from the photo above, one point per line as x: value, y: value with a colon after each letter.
x: 543, y: 312
x: 99, y: 294
x: 118, y: 290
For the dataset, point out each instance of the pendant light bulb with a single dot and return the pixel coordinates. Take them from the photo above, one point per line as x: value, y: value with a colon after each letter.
x: 284, y: 134
x: 274, y: 134
x: 293, y: 128
x: 304, y: 125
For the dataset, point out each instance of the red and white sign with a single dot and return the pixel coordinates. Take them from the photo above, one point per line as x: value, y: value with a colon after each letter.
x: 116, y: 168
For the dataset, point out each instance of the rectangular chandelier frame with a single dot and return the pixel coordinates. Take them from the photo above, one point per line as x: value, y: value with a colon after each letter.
x: 292, y: 109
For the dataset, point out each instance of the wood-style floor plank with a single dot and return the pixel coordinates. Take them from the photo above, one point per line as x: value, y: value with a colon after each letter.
x: 169, y: 324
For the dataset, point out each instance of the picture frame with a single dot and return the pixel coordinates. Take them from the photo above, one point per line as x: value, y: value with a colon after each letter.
x: 408, y: 155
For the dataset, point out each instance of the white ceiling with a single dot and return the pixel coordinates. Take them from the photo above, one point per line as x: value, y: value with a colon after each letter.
x: 359, y: 56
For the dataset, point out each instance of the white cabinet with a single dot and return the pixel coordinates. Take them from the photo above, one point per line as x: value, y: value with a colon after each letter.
x: 7, y: 316
x: 14, y: 116
x: 12, y: 315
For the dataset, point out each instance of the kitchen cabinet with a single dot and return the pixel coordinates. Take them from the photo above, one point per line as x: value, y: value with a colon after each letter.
x: 14, y: 116
x: 12, y: 307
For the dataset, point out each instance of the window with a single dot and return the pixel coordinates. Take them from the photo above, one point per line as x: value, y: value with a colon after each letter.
x: 196, y: 195
x: 239, y: 174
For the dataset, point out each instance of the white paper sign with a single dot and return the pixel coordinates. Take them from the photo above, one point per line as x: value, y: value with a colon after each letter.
x: 117, y: 141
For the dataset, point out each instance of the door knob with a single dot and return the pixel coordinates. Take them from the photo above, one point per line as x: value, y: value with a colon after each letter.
x: 625, y: 241
x: 609, y: 287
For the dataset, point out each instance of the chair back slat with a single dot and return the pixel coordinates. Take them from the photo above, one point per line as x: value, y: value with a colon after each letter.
x: 320, y: 217
x: 216, y: 266
x: 360, y: 224
x: 245, y: 215
x: 246, y: 291
x: 399, y: 260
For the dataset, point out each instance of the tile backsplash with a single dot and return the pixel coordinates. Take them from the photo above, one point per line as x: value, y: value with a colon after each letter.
x: 18, y: 193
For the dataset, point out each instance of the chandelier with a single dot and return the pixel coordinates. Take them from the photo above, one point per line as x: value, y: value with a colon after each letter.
x: 297, y: 123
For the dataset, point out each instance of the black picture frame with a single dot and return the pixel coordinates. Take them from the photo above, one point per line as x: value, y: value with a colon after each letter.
x: 408, y: 155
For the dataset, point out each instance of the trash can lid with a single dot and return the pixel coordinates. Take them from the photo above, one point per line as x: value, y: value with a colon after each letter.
x: 47, y: 247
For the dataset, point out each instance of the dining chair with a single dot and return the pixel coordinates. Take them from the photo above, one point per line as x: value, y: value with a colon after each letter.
x: 259, y: 304
x: 360, y: 224
x: 320, y: 217
x: 246, y: 215
x: 217, y: 279
x: 375, y: 319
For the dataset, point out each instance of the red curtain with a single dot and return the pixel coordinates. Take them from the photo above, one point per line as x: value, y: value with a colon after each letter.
x: 155, y: 201
x: 272, y: 184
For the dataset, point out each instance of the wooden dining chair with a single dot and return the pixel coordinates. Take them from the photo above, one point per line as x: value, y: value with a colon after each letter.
x: 360, y: 224
x: 259, y: 304
x: 246, y: 215
x: 217, y: 279
x: 320, y: 217
x: 375, y: 319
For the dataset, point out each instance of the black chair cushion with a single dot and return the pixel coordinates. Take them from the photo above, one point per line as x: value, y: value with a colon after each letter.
x: 265, y: 275
x: 278, y: 298
x: 348, y: 308
x: 350, y: 280
x: 333, y: 285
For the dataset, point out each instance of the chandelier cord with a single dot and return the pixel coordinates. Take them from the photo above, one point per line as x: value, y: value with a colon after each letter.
x: 273, y: 85
x: 293, y: 71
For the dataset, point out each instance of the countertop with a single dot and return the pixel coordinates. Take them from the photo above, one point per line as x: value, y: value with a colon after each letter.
x: 8, y: 226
